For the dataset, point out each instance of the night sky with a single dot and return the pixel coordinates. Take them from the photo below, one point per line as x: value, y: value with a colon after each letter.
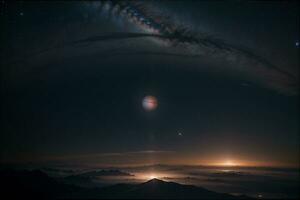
x: 225, y: 77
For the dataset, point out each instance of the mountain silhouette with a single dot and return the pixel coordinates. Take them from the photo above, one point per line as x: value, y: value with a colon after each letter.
x: 158, y: 189
x: 37, y: 185
x: 105, y: 173
x: 25, y: 184
x: 86, y: 179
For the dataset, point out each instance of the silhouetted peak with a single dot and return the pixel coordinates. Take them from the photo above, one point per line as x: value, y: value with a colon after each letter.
x: 155, y: 181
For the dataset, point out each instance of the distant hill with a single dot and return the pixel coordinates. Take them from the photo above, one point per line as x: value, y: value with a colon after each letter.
x: 37, y: 185
x: 78, y: 180
x: 105, y: 173
x: 86, y: 179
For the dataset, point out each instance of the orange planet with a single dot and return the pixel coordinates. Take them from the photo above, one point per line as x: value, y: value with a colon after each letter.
x: 150, y: 103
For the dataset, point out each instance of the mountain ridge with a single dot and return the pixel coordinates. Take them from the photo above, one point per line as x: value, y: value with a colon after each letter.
x: 38, y: 185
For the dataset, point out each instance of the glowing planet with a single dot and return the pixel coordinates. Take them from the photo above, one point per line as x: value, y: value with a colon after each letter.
x: 150, y: 103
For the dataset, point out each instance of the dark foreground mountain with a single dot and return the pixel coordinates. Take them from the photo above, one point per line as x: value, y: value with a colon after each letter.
x: 34, y: 184
x: 37, y: 185
x: 158, y: 189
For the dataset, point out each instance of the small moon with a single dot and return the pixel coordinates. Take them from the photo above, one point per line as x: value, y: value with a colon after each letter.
x: 150, y: 103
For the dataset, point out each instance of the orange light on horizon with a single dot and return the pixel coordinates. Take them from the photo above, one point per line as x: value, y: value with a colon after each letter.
x: 229, y: 163
x: 149, y: 176
x: 152, y: 176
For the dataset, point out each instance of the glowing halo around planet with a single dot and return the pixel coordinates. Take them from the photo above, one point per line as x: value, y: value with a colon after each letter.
x: 153, y: 176
x: 149, y: 103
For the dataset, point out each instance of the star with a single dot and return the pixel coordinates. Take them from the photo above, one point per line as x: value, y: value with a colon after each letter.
x: 179, y: 134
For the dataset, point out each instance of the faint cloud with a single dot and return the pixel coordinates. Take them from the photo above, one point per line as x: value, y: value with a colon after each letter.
x: 109, y: 154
